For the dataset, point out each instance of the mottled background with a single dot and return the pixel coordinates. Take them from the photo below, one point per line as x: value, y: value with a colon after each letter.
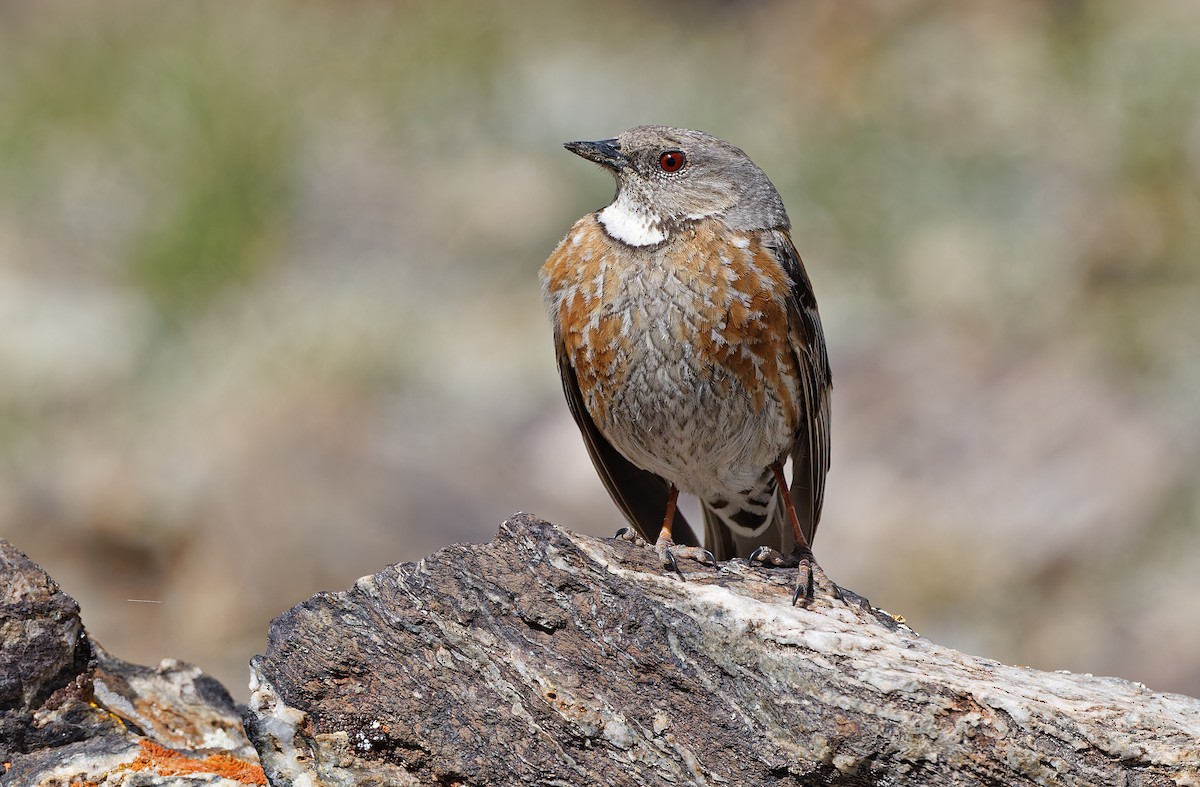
x: 269, y: 315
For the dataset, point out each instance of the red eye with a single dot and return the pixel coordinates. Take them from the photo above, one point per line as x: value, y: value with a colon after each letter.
x: 672, y: 161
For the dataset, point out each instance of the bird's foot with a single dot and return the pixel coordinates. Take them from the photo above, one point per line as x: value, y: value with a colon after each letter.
x: 809, y: 577
x: 669, y: 553
x: 629, y: 534
x: 773, y: 557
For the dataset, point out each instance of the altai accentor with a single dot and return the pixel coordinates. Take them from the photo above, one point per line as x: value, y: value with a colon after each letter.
x: 691, y: 350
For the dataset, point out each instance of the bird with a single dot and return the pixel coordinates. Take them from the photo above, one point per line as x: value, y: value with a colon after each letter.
x: 692, y: 354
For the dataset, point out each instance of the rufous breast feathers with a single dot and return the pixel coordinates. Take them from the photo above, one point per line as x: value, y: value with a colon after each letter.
x: 722, y: 293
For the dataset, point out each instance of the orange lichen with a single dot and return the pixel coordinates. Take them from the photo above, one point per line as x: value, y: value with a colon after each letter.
x: 168, y: 762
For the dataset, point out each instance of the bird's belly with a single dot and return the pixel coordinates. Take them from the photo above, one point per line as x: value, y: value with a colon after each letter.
x: 684, y: 416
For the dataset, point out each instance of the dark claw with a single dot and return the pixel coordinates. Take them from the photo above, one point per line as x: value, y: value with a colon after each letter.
x: 698, y: 554
x: 804, y: 585
x: 630, y: 535
x: 808, y: 576
x: 671, y: 553
x: 669, y: 561
x: 813, y: 576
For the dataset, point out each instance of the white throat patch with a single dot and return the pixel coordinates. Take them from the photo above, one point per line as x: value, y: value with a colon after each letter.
x: 629, y: 224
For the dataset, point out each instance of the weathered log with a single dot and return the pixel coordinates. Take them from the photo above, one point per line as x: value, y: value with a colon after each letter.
x: 550, y: 658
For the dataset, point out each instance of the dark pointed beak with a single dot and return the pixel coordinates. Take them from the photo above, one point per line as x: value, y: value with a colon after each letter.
x: 606, y: 152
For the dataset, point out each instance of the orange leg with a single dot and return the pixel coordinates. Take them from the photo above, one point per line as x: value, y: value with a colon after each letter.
x: 668, y: 551
x: 790, y: 507
x: 810, y: 573
x: 669, y: 517
x: 806, y: 582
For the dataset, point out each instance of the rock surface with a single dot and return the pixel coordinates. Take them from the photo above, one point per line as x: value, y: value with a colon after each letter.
x: 549, y: 658
x: 71, y: 714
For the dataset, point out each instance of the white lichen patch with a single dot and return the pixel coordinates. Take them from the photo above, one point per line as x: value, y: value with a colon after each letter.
x: 280, y: 724
x: 617, y: 732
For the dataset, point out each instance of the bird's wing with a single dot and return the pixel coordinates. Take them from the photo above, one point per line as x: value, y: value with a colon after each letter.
x: 640, y: 494
x: 810, y: 454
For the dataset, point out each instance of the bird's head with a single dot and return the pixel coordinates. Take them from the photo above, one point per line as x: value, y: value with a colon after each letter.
x: 667, y: 177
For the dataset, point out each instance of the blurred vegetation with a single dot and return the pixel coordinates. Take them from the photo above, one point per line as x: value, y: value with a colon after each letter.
x: 269, y: 313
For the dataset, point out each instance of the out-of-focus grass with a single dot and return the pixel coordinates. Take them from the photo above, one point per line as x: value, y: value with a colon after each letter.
x: 231, y: 173
x: 269, y: 314
x: 201, y: 147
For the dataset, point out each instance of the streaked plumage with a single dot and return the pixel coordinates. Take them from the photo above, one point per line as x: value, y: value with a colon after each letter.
x: 689, y: 342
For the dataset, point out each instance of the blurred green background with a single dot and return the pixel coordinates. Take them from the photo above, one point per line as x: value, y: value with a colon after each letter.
x: 269, y: 313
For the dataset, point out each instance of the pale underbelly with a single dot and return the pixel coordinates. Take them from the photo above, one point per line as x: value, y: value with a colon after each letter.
x: 693, y: 425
